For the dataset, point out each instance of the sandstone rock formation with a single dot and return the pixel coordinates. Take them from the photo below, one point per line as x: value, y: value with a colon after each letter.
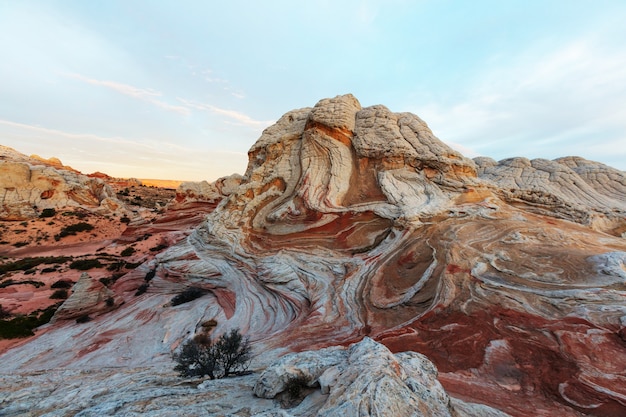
x: 88, y: 297
x: 27, y: 187
x: 351, y: 222
x: 570, y: 188
x: 366, y: 379
x: 191, y: 192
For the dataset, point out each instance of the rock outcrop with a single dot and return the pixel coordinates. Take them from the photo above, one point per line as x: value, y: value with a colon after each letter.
x: 570, y: 188
x: 89, y: 296
x: 28, y: 186
x: 365, y: 379
x: 203, y: 191
x: 351, y: 222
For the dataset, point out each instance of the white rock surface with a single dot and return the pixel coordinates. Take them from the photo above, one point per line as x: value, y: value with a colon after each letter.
x: 366, y: 379
x: 27, y: 186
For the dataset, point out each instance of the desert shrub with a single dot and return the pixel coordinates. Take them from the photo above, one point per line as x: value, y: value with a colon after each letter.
x: 188, y: 295
x: 142, y: 288
x: 158, y: 248
x: 29, y: 263
x: 47, y: 212
x: 22, y: 326
x: 62, y: 283
x: 30, y: 271
x: 110, y: 280
x: 72, y: 229
x: 78, y: 214
x: 4, y: 314
x: 83, y: 319
x: 150, y: 275
x: 10, y: 282
x: 295, y: 387
x: 128, y: 251
x: 116, y: 266
x: 125, y: 219
x: 85, y: 264
x: 131, y: 265
x: 229, y: 355
x: 20, y: 244
x: 59, y: 295
x: 110, y: 302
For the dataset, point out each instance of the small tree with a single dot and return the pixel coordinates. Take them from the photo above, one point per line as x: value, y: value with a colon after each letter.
x: 229, y: 355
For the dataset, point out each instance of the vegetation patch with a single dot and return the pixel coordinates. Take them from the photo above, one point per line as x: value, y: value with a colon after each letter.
x: 73, y: 229
x: 158, y: 248
x: 63, y: 283
x: 23, y: 325
x: 59, y: 295
x: 47, y: 212
x: 85, y: 264
x: 150, y: 275
x: 4, y: 314
x: 142, y: 289
x: 110, y: 280
x: 128, y: 251
x: 83, y: 319
x: 188, y: 295
x: 229, y: 355
x: 29, y: 263
x: 10, y: 282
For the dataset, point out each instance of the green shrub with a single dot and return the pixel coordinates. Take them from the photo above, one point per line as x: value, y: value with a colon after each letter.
x: 83, y: 319
x: 229, y: 355
x: 4, y: 314
x: 295, y: 387
x: 72, y: 229
x: 59, y: 295
x: 63, y: 283
x: 150, y: 275
x: 9, y: 282
x: 128, y: 251
x: 22, y: 326
x: 29, y: 263
x: 188, y: 295
x: 85, y: 264
x: 142, y: 288
x: 47, y: 212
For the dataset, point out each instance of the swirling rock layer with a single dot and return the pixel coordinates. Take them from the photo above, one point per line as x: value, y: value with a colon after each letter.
x: 30, y: 184
x: 353, y: 222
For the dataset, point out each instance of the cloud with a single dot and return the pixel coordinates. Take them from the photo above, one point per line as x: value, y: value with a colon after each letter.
x: 67, y: 135
x: 545, y: 103
x: 122, y: 157
x: 240, y: 118
x: 149, y: 95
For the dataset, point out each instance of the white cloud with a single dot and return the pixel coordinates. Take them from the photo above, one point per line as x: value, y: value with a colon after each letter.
x: 547, y: 103
x: 239, y: 117
x: 149, y: 95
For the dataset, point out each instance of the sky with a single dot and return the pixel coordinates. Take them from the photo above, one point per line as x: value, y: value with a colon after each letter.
x: 182, y: 89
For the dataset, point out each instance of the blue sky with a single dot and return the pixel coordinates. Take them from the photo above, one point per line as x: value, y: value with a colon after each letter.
x: 182, y: 89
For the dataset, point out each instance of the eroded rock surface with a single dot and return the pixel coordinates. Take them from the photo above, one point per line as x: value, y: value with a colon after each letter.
x: 30, y: 185
x: 88, y: 297
x: 353, y: 222
x: 365, y: 379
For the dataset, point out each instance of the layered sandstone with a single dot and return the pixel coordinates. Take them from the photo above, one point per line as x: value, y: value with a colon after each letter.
x: 353, y: 222
x: 28, y: 186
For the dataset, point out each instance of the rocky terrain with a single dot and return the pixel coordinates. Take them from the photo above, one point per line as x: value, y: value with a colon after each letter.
x: 353, y: 236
